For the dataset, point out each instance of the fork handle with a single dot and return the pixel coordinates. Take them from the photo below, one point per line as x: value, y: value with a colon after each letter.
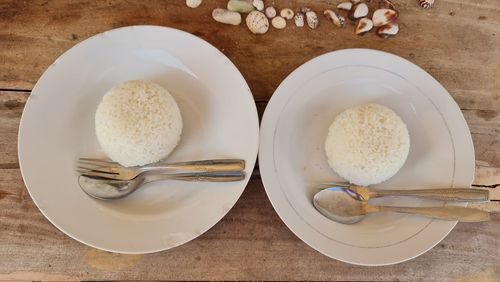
x: 451, y: 194
x: 199, y: 166
x: 446, y: 213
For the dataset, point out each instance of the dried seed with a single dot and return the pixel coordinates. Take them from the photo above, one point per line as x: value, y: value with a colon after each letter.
x: 384, y: 16
x: 226, y: 17
x: 270, y: 12
x: 257, y: 22
x: 193, y: 3
x: 337, y: 19
x: 346, y: 6
x: 258, y: 4
x: 287, y: 13
x: 240, y: 6
x: 278, y: 22
x: 426, y: 4
x: 312, y: 19
x: 364, y: 25
x: 299, y: 19
x: 354, y: 2
x: 358, y: 11
x: 386, y: 4
x: 388, y: 30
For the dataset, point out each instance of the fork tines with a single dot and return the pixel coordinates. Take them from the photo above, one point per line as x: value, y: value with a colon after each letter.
x: 97, y: 167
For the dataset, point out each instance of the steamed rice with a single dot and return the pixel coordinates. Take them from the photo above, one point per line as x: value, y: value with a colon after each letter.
x: 137, y: 123
x: 367, y: 144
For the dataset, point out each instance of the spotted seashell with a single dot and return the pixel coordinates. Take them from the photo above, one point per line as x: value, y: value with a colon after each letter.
x: 312, y: 19
x: 257, y: 22
x: 426, y: 4
x: 364, y: 25
x: 384, y: 16
x: 388, y: 30
x: 299, y: 19
x: 337, y: 19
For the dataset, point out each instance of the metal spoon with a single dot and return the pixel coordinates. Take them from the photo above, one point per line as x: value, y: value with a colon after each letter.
x: 107, y: 189
x: 346, y: 206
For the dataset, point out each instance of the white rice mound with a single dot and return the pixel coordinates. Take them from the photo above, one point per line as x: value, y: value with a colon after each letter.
x: 367, y: 144
x: 137, y: 123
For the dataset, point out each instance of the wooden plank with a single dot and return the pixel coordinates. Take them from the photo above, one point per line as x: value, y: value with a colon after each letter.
x: 485, y: 129
x: 456, y: 42
x: 250, y: 243
x: 11, y: 108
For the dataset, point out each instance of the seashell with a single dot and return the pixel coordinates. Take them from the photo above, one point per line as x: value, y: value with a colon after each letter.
x: 384, y: 16
x: 257, y: 22
x: 387, y: 4
x: 299, y: 19
x: 258, y: 4
x: 193, y: 3
x: 240, y: 6
x: 287, y: 13
x: 388, y: 30
x: 278, y: 22
x: 358, y: 11
x: 364, y: 25
x: 426, y: 4
x: 226, y: 17
x: 312, y: 19
x: 346, y: 6
x: 270, y: 12
x: 337, y: 19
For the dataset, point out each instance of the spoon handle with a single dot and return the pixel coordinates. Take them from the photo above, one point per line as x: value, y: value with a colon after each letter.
x: 226, y: 176
x: 446, y: 213
x: 451, y: 194
x: 201, y: 166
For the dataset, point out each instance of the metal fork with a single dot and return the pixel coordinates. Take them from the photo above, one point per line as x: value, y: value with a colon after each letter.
x: 113, y: 170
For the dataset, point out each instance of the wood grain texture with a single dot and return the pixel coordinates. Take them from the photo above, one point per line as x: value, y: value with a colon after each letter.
x: 250, y: 243
x: 456, y: 42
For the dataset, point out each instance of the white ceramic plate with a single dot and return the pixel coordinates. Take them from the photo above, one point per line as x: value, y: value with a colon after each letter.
x: 57, y: 127
x: 293, y: 162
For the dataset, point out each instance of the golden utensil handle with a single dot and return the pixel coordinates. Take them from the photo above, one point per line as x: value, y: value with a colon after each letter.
x: 199, y: 166
x: 446, y: 213
x: 449, y: 194
x: 225, y: 176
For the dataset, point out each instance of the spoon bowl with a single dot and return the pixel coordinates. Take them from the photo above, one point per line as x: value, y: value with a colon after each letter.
x: 340, y: 204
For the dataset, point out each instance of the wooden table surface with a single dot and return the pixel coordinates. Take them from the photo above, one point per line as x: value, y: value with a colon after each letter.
x: 457, y: 42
